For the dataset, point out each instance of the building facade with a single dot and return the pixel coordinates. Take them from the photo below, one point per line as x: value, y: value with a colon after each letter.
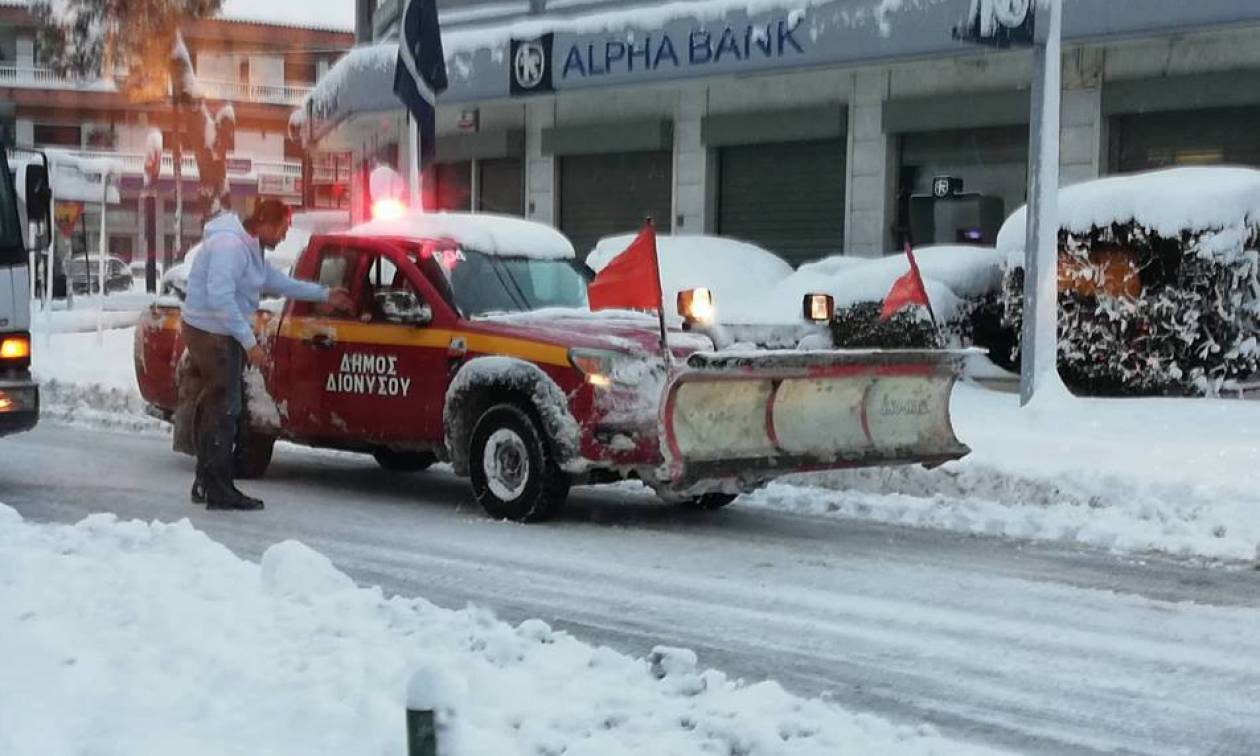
x: 812, y: 128
x: 262, y: 70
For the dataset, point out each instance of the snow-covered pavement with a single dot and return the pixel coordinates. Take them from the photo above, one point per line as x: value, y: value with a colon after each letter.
x: 1032, y: 648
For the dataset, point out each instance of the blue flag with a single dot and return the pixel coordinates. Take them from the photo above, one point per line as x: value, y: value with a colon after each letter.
x: 420, y: 71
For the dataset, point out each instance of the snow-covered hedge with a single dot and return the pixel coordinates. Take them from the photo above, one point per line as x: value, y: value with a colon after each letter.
x: 1189, y: 323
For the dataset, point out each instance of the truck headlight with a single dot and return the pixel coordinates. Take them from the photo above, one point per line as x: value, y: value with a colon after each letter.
x: 819, y: 308
x: 696, y: 305
x: 602, y: 368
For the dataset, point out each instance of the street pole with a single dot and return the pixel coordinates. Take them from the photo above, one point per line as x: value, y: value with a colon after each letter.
x: 177, y: 155
x: 1039, y: 337
x: 101, y: 249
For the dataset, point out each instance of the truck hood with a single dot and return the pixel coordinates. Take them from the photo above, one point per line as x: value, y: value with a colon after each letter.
x: 617, y: 330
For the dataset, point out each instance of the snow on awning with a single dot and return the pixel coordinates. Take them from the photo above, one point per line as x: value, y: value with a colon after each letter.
x: 1165, y: 201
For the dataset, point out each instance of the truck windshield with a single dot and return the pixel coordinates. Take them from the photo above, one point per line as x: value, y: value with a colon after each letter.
x: 11, y: 250
x: 482, y: 284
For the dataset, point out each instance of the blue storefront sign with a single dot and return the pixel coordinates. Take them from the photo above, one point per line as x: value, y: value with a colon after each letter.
x: 700, y: 47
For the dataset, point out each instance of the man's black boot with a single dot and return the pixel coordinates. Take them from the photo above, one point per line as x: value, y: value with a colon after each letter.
x: 198, y: 493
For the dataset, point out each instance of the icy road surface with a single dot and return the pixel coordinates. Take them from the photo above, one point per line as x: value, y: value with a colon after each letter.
x: 1040, y: 649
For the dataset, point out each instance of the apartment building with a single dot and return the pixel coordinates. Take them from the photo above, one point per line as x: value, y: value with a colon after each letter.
x: 262, y: 69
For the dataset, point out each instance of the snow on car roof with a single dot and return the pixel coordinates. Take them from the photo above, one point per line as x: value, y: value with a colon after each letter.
x: 1167, y: 202
x: 500, y: 235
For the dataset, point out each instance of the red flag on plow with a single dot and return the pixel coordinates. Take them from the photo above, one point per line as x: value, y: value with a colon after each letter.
x: 907, y: 290
x: 632, y: 281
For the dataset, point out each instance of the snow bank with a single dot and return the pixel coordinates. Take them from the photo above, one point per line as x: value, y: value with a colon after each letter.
x: 1166, y: 202
x: 484, y: 232
x: 735, y: 271
x: 160, y: 641
x: 752, y: 285
x: 1180, y: 476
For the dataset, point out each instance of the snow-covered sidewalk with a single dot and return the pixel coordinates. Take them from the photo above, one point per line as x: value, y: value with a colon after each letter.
x: 1180, y: 476
x: 157, y: 640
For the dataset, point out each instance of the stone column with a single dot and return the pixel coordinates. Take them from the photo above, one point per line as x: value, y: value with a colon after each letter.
x: 691, y: 162
x: 540, y: 169
x: 867, y: 188
x: 1081, y: 126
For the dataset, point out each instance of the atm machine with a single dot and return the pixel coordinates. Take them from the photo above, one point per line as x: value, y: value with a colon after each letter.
x: 951, y: 216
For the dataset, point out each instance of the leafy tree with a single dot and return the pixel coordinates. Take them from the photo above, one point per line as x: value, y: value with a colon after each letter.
x: 89, y: 38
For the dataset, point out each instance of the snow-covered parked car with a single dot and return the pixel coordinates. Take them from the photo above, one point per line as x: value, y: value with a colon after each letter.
x: 1158, y: 281
x: 754, y: 290
x: 471, y: 341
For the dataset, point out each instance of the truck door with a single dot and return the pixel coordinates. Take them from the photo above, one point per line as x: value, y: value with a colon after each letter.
x: 376, y: 373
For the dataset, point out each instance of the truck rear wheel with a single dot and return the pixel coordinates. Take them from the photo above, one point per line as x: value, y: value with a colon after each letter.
x: 514, y: 473
x: 403, y: 461
x: 252, y: 454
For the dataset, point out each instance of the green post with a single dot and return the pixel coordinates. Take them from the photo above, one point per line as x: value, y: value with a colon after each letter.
x: 421, y: 733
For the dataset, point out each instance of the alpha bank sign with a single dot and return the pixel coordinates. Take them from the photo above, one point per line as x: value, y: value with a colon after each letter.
x: 568, y: 61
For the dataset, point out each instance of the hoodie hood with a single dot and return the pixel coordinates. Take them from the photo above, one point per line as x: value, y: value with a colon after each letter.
x: 228, y: 223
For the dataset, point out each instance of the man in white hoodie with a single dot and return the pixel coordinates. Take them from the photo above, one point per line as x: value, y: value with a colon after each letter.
x: 227, y: 279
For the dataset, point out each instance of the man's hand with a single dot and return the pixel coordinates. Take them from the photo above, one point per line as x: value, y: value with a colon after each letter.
x: 340, y: 300
x: 256, y: 356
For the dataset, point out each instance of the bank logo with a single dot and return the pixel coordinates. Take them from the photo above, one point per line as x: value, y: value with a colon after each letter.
x: 530, y: 66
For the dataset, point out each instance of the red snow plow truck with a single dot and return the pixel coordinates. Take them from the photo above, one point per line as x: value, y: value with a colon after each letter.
x: 472, y: 342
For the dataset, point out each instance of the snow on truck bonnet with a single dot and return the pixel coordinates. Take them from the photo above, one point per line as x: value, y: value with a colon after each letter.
x: 1166, y: 202
x: 490, y: 234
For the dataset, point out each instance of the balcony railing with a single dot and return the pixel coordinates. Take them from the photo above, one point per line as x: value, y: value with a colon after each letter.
x: 43, y: 78
x: 133, y: 163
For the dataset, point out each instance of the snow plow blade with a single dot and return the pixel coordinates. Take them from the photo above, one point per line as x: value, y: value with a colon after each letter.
x: 753, y: 416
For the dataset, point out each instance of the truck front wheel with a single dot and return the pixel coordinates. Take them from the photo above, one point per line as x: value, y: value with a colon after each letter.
x: 514, y: 473
x: 707, y: 502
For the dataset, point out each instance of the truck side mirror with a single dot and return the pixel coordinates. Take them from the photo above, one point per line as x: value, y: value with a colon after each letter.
x: 403, y: 307
x: 38, y: 195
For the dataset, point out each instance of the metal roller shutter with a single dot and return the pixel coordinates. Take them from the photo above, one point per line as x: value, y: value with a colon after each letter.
x: 501, y: 186
x: 787, y: 197
x: 612, y: 193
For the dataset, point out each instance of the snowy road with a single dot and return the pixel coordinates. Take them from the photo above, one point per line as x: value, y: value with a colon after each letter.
x: 1040, y: 649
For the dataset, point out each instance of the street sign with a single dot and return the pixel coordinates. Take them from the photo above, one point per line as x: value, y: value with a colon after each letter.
x: 999, y: 23
x: 66, y: 214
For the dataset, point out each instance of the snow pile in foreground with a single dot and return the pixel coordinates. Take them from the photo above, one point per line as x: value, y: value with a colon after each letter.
x: 1181, y: 476
x: 158, y: 640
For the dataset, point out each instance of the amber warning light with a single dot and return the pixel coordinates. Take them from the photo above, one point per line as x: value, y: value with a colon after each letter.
x: 15, y: 348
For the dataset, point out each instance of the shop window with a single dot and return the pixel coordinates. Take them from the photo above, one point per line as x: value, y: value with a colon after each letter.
x: 991, y: 162
x: 1211, y: 136
x: 122, y: 246
x: 58, y: 136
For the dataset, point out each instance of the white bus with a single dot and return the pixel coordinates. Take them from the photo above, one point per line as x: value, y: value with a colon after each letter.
x: 19, y: 396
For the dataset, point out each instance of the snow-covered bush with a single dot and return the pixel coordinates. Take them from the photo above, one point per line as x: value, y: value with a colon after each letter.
x: 1186, y: 318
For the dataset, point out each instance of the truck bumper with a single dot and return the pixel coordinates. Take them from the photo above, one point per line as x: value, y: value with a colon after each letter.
x: 19, y: 406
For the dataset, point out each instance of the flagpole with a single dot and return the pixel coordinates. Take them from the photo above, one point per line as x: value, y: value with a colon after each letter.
x: 660, y: 295
x: 413, y: 169
x: 918, y: 274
